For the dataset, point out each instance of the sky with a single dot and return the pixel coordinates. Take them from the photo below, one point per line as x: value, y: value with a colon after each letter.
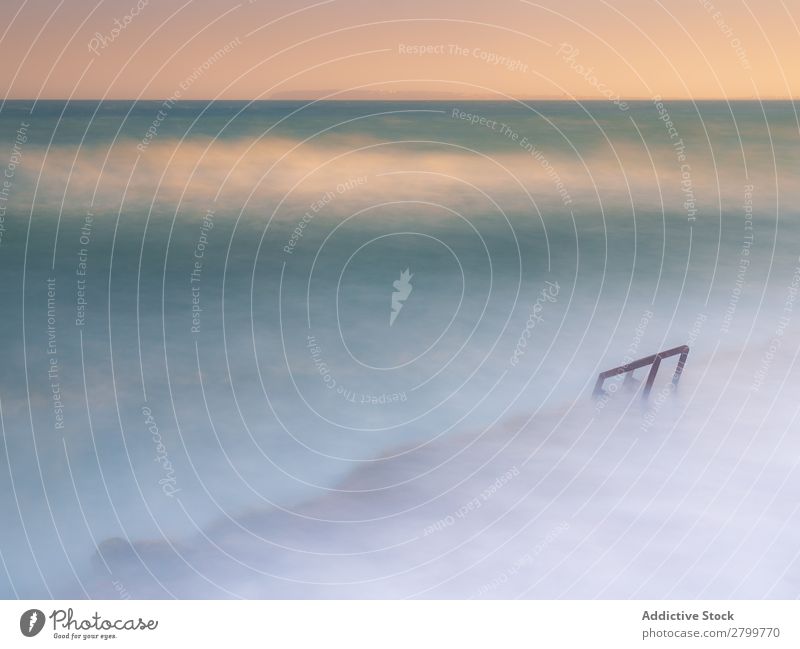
x: 401, y: 49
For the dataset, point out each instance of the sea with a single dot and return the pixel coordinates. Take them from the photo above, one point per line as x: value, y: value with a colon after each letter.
x: 335, y: 349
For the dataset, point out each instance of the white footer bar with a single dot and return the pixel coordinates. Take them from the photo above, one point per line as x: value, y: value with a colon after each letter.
x: 400, y: 624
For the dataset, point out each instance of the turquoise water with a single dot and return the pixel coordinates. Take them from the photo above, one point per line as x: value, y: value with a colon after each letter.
x: 200, y: 358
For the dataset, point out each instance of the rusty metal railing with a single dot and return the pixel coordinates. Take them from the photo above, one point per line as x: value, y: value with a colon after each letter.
x: 654, y: 360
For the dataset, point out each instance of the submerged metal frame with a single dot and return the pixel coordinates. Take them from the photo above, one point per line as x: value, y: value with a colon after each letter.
x: 654, y: 360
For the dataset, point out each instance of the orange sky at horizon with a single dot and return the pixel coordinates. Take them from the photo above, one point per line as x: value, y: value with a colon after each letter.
x: 199, y: 49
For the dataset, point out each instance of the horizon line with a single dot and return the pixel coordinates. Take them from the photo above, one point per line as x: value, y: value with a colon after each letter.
x: 417, y: 99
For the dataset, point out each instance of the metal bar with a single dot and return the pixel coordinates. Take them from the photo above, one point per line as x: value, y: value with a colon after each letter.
x: 633, y: 365
x: 654, y: 360
x: 598, y: 386
x: 647, y: 360
x: 651, y: 377
x: 679, y: 370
